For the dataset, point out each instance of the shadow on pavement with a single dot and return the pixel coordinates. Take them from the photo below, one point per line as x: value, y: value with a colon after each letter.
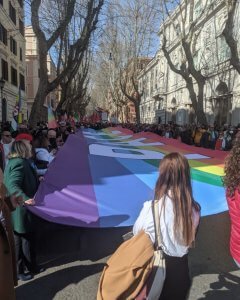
x: 59, y: 244
x: 55, y: 241
x: 230, y: 285
x: 211, y: 254
x: 46, y: 287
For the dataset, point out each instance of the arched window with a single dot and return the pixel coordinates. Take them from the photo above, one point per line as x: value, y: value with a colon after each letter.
x: 174, y: 101
x: 222, y: 89
x: 222, y: 104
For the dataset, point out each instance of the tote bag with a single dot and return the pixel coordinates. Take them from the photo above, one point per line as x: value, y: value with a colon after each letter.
x: 153, y: 286
x: 127, y: 269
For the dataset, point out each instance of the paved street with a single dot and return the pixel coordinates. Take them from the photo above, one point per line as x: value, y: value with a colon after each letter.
x: 75, y: 257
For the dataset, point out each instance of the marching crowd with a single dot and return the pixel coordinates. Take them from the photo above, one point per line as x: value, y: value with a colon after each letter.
x: 212, y: 137
x: 24, y: 158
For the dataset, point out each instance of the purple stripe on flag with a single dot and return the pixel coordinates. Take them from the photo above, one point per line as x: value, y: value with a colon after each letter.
x: 66, y: 195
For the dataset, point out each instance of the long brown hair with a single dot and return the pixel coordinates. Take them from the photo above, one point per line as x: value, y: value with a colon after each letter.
x: 174, y: 181
x: 231, y: 179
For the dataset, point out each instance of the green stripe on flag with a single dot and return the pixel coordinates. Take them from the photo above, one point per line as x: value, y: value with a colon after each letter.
x: 195, y: 174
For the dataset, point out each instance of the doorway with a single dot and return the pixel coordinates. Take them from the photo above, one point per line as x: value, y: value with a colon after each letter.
x: 223, y: 105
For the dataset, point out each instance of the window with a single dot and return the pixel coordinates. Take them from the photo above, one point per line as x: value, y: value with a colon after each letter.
x: 22, y: 81
x: 3, y: 34
x: 196, y: 59
x: 20, y: 54
x: 21, y: 27
x: 12, y: 13
x: 4, y: 70
x: 207, y: 36
x: 178, y: 29
x: 198, y: 9
x: 223, y: 49
x: 14, y: 76
x: 13, y: 46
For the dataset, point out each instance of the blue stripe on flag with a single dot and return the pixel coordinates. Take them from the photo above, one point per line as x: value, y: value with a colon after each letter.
x: 120, y: 194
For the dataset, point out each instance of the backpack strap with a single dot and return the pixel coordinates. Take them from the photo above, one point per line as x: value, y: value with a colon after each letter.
x: 156, y: 219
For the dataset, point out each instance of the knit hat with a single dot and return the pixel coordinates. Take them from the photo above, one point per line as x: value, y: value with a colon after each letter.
x: 24, y: 136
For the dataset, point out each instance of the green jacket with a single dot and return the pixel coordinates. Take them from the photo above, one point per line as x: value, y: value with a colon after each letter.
x: 20, y: 179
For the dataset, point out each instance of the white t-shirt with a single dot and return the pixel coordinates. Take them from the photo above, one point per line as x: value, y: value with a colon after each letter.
x: 145, y: 222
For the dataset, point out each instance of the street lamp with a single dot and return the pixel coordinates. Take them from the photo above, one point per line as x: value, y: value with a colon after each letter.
x: 2, y: 83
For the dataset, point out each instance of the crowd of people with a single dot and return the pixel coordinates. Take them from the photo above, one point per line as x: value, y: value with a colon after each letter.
x: 25, y: 155
x: 206, y: 136
x: 212, y: 136
x: 24, y: 158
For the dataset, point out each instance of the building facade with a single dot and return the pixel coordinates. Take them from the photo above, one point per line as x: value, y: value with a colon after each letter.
x: 166, y: 97
x: 153, y: 84
x: 12, y: 58
x: 32, y: 72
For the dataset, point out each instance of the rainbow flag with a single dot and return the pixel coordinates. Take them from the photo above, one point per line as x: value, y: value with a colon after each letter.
x: 51, y: 119
x: 108, y: 174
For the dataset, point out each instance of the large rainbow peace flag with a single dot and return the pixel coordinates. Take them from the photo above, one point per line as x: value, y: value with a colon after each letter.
x: 102, y: 178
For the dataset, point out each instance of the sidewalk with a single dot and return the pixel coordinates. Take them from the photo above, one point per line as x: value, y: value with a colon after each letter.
x: 75, y: 257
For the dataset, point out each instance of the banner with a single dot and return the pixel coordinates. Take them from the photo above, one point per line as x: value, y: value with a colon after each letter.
x: 102, y: 178
x: 52, y: 124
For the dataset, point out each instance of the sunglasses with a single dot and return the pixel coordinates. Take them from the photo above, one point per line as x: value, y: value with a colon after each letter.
x: 7, y: 135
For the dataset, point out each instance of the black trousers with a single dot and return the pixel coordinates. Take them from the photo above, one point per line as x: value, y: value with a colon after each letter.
x: 177, y: 282
x: 25, y: 252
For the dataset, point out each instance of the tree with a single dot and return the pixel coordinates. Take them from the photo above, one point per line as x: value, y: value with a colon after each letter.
x: 130, y: 37
x: 74, y: 89
x: 46, y: 40
x: 230, y: 32
x: 129, y: 85
x: 187, y: 30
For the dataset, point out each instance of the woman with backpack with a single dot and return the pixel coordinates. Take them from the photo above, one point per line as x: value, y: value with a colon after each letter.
x: 179, y: 219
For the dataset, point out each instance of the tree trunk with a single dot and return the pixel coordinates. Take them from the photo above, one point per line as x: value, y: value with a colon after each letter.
x: 63, y: 96
x: 201, y: 116
x: 197, y: 102
x: 38, y: 111
x: 137, y: 110
x: 228, y: 33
